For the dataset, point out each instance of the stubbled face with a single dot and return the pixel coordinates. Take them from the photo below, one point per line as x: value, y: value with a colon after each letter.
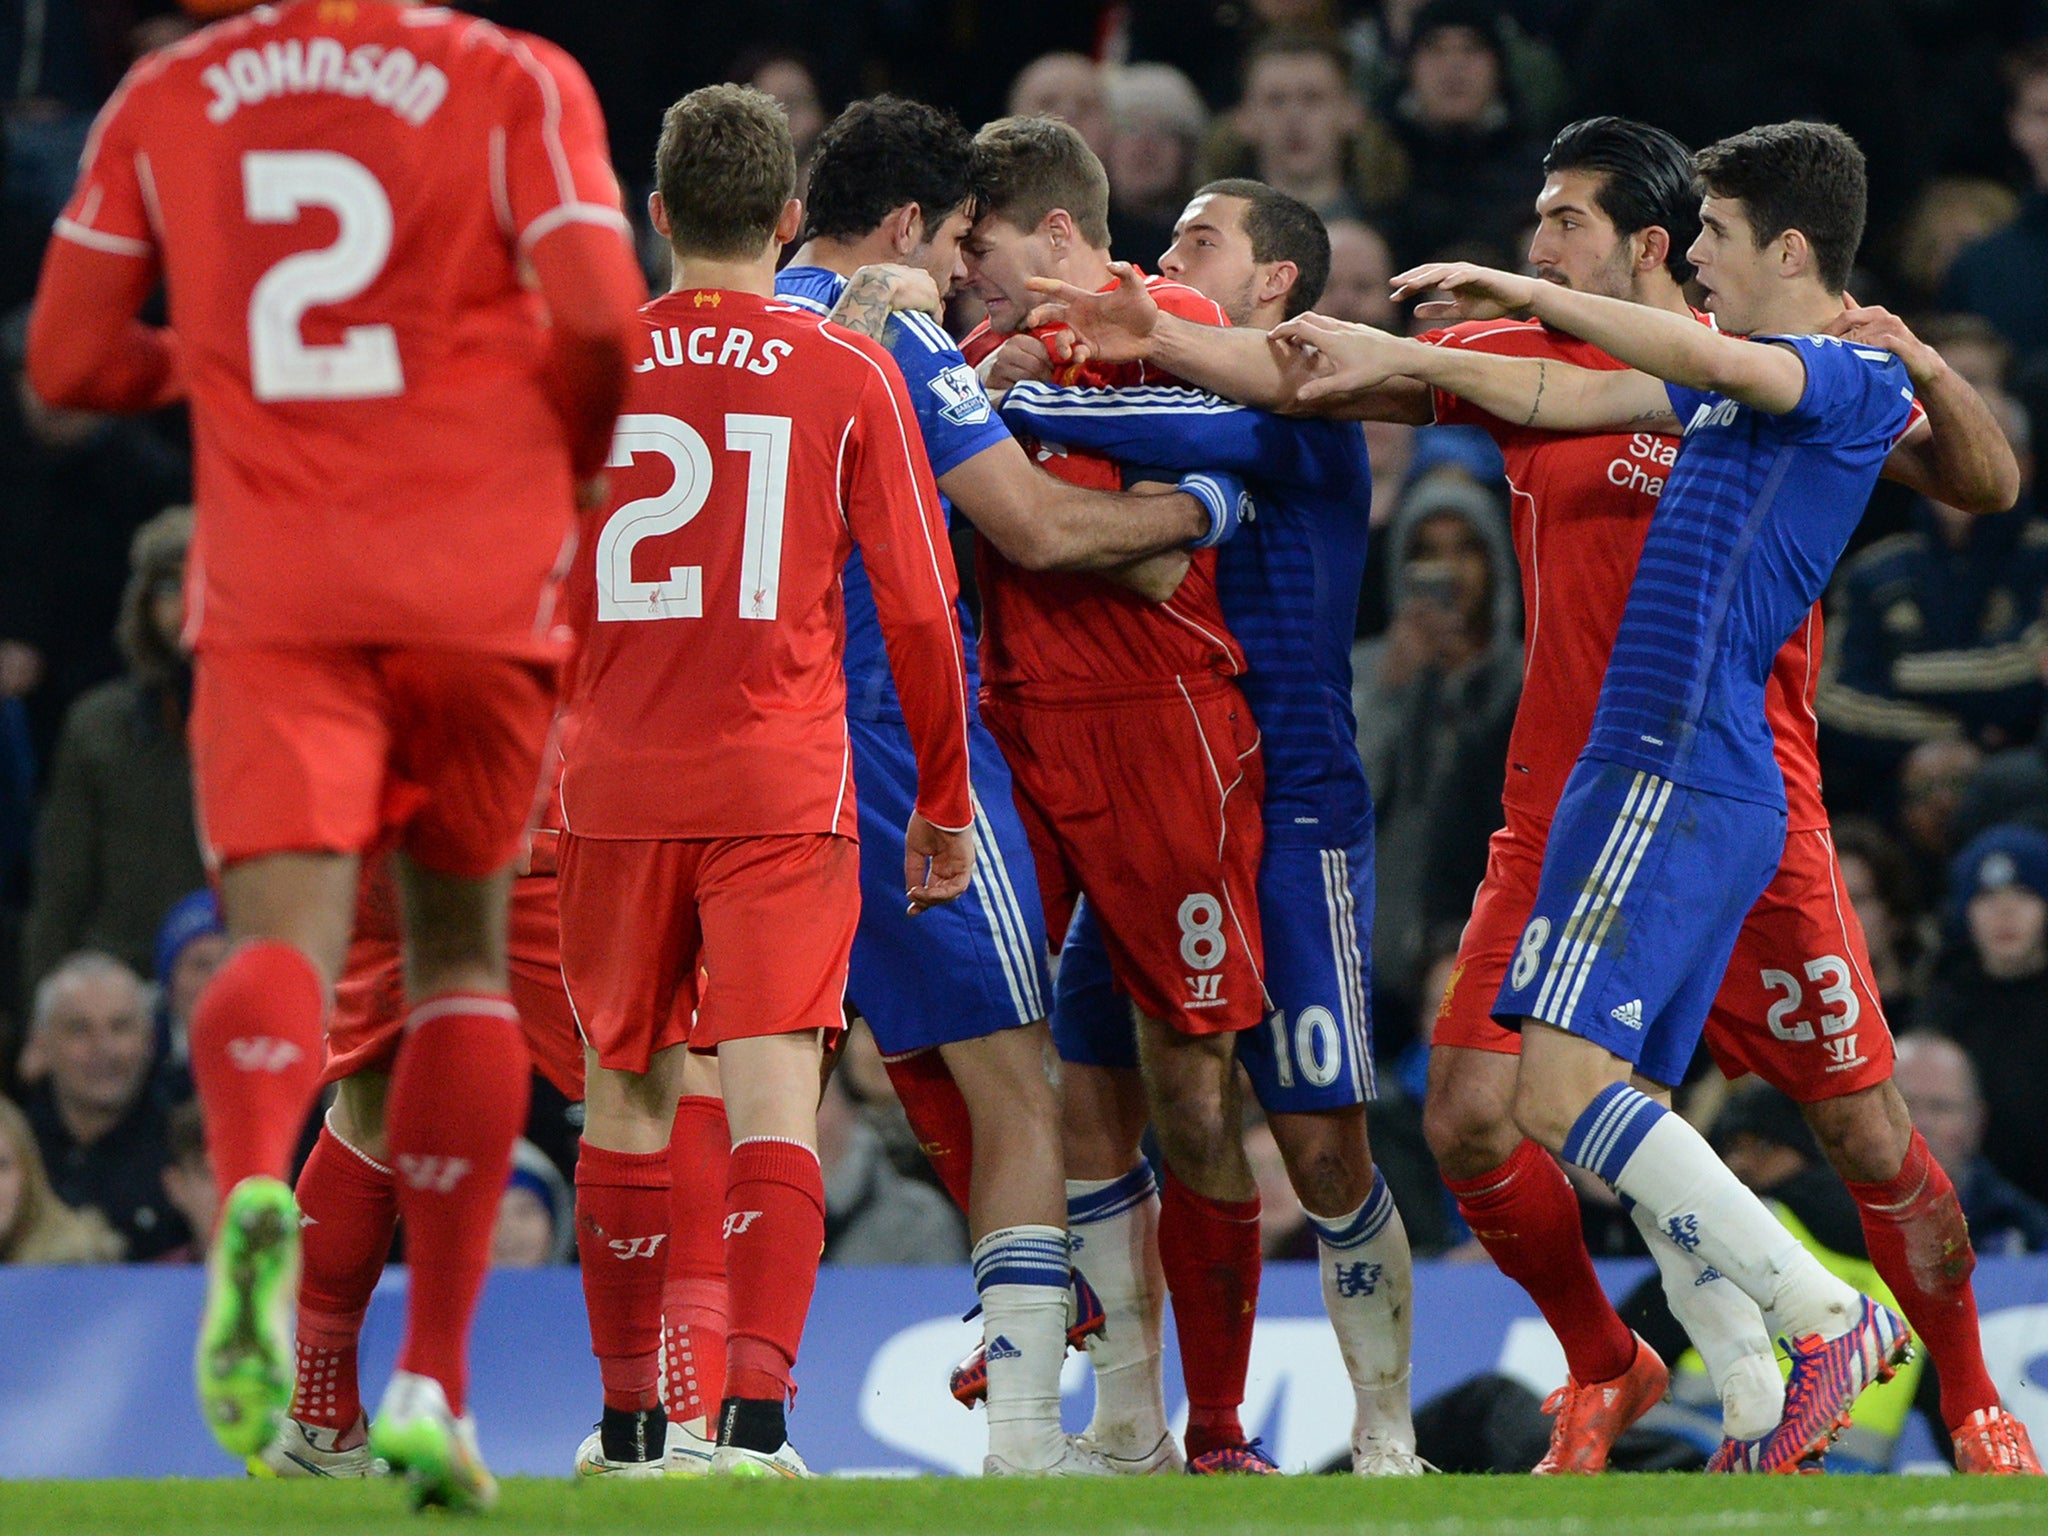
x: 1575, y: 245
x: 999, y: 257
x: 1212, y: 254
x: 941, y: 256
x: 1730, y: 267
x: 99, y: 1044
x: 2010, y: 929
x: 1297, y: 110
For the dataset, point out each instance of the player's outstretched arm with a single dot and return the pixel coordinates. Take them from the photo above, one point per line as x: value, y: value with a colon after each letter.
x: 1671, y: 347
x: 87, y: 351
x: 1531, y: 392
x: 1959, y: 455
x: 1170, y: 428
x: 1045, y: 524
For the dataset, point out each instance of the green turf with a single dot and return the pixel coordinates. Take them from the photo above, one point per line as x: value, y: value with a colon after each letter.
x: 1299, y: 1506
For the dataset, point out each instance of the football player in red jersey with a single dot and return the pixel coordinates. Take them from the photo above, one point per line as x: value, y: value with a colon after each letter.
x: 1137, y: 767
x: 1616, y: 214
x: 351, y: 207
x: 709, y: 867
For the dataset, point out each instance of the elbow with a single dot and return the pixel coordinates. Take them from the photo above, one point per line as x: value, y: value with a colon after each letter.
x: 60, y: 381
x: 1038, y: 548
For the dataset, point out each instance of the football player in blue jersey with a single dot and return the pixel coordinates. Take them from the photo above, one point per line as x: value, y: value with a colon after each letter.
x: 957, y: 998
x: 1673, y: 820
x: 1289, y: 584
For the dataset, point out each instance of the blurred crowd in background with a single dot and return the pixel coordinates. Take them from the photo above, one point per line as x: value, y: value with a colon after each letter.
x: 1417, y: 128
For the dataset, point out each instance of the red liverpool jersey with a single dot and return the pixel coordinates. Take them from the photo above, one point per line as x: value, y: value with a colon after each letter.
x: 341, y: 196
x: 1070, y: 632
x: 757, y: 447
x: 1581, y: 505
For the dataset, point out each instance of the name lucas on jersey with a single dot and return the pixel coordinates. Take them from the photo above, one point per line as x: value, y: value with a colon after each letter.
x: 1652, y: 449
x: 673, y: 347
x: 389, y: 77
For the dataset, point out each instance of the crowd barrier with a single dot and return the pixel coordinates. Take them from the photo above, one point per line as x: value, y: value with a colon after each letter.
x: 84, y: 1352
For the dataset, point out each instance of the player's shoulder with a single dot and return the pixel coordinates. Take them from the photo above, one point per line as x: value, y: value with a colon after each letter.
x: 483, y: 48
x: 1520, y: 338
x: 1188, y: 303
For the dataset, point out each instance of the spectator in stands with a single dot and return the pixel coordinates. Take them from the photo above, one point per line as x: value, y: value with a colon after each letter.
x: 35, y: 1226
x: 1952, y: 213
x: 1940, y: 1087
x: 1302, y: 128
x: 190, y: 946
x: 2004, y: 277
x: 536, y: 1215
x: 1435, y: 696
x: 1068, y: 86
x: 1381, y: 40
x: 116, y: 845
x: 1990, y: 991
x: 1471, y: 155
x: 791, y: 80
x: 1936, y: 783
x: 1361, y: 276
x: 188, y: 1183
x: 105, y: 1140
x: 1940, y: 631
x: 873, y: 1214
x: 1157, y: 121
x: 1878, y: 881
x: 1207, y: 39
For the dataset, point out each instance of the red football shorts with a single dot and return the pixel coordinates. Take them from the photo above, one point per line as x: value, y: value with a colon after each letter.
x: 1151, y: 808
x: 701, y: 940
x: 1796, y: 1007
x: 370, y: 1005
x: 334, y: 748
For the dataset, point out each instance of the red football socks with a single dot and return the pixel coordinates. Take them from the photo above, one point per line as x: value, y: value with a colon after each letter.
x: 256, y: 1059
x: 937, y: 1112
x: 621, y: 1223
x: 774, y: 1232
x: 693, y: 1297
x: 1527, y: 1218
x: 1210, y: 1252
x: 457, y: 1103
x: 350, y: 1210
x: 1920, y: 1244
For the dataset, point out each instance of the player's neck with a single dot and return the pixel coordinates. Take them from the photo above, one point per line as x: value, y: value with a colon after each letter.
x: 1801, y: 309
x: 845, y: 257
x: 1085, y: 267
x: 1660, y: 292
x: 754, y: 274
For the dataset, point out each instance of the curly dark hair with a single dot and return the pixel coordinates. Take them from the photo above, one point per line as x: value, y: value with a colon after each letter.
x: 880, y: 154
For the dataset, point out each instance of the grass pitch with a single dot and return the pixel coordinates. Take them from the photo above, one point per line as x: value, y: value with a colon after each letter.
x: 1674, y: 1505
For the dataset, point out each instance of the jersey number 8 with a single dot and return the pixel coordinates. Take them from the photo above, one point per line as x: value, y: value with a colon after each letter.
x: 765, y: 442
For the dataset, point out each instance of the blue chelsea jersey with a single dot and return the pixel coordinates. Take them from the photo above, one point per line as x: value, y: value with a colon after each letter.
x: 957, y: 420
x: 1745, y: 537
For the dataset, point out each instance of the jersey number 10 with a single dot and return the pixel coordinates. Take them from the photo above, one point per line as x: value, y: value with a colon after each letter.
x: 765, y: 442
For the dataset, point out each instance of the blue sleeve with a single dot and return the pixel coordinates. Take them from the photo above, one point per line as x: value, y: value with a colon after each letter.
x: 1176, y: 429
x: 1853, y: 394
x: 953, y: 410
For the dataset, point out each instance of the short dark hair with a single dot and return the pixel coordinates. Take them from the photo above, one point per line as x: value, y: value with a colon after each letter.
x: 1804, y: 176
x: 1282, y: 228
x: 725, y: 168
x: 878, y: 155
x: 1646, y: 180
x: 1297, y: 43
x: 1027, y: 166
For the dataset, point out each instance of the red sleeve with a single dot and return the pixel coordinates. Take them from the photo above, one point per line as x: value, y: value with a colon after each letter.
x: 892, y: 509
x: 554, y: 173
x: 86, y: 349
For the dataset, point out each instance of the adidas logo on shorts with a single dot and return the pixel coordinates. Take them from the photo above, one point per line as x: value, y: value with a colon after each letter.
x: 1630, y: 1014
x: 1003, y: 1349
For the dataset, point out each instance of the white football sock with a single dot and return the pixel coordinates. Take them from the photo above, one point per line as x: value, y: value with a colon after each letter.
x: 1649, y: 1154
x: 1728, y: 1331
x: 1369, y: 1291
x: 1022, y: 1274
x: 1114, y: 1225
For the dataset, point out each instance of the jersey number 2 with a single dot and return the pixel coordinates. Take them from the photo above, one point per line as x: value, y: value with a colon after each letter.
x: 765, y: 442
x: 277, y: 185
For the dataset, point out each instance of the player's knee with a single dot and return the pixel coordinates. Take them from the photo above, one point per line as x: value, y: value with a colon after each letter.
x: 1469, y: 1132
x: 1542, y: 1116
x: 1864, y: 1135
x: 1327, y: 1182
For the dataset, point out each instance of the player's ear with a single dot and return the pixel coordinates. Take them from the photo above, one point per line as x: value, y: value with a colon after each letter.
x: 657, y: 214
x: 791, y: 222
x: 1655, y: 249
x: 1279, y: 280
x: 906, y: 228
x: 1058, y: 227
x: 1795, y: 255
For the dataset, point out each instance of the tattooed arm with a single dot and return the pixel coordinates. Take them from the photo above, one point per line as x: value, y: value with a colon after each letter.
x: 875, y: 292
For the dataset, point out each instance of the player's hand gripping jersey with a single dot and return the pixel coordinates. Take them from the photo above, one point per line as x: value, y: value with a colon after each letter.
x: 379, y: 456
x: 757, y: 447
